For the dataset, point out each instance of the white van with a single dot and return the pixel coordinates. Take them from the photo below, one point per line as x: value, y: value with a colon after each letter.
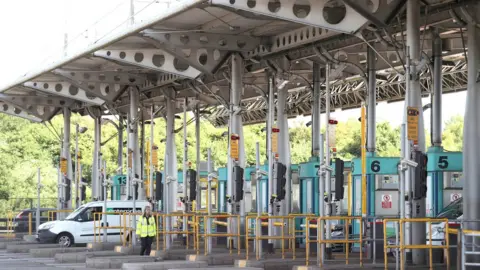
x: 78, y: 227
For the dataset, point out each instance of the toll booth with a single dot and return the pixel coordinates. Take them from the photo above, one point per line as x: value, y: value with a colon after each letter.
x: 119, y: 187
x: 382, y: 186
x: 309, y: 197
x: 382, y: 193
x: 444, y: 180
x: 309, y: 179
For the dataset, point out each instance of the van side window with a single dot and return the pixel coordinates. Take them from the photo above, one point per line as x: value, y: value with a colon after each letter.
x: 88, y: 214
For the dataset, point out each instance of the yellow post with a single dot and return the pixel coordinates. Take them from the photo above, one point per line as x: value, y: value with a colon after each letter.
x: 364, y: 162
x: 29, y: 223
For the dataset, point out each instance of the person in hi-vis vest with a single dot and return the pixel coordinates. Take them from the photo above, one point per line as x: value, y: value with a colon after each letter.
x: 146, y: 230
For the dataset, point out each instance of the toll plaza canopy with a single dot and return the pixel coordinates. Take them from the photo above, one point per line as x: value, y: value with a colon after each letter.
x: 183, y: 51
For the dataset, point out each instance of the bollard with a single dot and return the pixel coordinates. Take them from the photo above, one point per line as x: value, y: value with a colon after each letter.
x: 29, y: 223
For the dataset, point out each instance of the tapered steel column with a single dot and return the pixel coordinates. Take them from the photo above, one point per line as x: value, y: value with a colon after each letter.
x: 236, y: 127
x: 471, y: 128
x: 414, y: 99
x: 120, y: 146
x: 198, y: 202
x: 372, y: 102
x: 170, y: 167
x: 284, y: 146
x: 328, y: 174
x: 371, y: 127
x: 316, y: 112
x: 271, y: 155
x: 97, y: 137
x: 133, y: 141
x: 437, y: 91
x: 66, y: 154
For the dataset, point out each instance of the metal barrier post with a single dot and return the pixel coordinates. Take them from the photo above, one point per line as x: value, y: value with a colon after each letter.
x: 396, y: 243
x: 29, y: 223
x: 464, y: 267
x: 373, y: 243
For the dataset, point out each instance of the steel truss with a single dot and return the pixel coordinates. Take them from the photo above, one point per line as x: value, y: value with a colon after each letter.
x: 347, y: 94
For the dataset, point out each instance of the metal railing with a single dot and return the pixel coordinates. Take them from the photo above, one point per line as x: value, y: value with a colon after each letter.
x: 162, y: 229
x: 98, y: 225
x: 469, y: 248
x: 206, y: 235
x: 401, y: 246
x: 279, y: 221
x: 322, y: 241
x: 53, y: 214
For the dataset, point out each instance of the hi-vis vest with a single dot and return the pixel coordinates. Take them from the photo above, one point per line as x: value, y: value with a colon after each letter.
x: 145, y: 230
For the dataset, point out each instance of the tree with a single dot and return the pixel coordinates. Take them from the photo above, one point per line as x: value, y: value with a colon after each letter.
x: 453, y: 134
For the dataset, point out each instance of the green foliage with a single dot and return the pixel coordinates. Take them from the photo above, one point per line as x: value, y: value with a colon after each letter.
x: 453, y: 134
x: 25, y: 146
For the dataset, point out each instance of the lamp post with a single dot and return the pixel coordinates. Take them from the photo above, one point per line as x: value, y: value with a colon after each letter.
x: 78, y: 130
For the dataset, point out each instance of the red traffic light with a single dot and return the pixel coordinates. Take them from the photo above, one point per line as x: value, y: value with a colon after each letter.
x: 275, y: 130
x: 332, y: 122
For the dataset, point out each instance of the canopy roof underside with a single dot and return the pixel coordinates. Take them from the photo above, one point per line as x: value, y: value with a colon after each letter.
x: 184, y: 52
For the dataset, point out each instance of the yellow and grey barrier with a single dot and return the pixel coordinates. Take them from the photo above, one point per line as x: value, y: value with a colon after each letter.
x: 205, y: 219
x: 52, y: 214
x: 98, y: 225
x: 347, y: 241
x: 279, y: 221
x: 402, y: 246
x: 163, y: 231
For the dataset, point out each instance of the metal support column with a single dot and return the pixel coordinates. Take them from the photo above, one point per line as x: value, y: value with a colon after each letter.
x: 198, y: 202
x: 321, y: 202
x: 209, y: 195
x: 258, y: 229
x: 128, y: 161
x: 284, y: 146
x: 316, y: 110
x: 271, y: 155
x: 76, y: 176
x: 185, y: 167
x: 471, y: 145
x: 151, y: 163
x: 328, y: 174
x: 170, y: 168
x: 236, y: 127
x: 39, y: 188
x: 414, y: 99
x: 133, y: 143
x: 437, y: 91
x: 143, y: 158
x: 120, y: 146
x: 66, y: 154
x: 371, y: 128
x: 372, y: 102
x: 96, y: 184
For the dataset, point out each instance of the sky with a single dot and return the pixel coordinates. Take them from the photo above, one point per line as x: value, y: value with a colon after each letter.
x: 33, y: 30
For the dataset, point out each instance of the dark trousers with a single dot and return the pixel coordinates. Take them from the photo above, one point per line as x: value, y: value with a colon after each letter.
x: 146, y: 245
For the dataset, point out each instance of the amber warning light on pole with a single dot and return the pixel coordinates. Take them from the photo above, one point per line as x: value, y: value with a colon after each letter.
x: 63, y: 165
x: 234, y: 142
x: 275, y: 132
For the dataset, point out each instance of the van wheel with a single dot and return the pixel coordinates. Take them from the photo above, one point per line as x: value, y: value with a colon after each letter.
x: 65, y: 239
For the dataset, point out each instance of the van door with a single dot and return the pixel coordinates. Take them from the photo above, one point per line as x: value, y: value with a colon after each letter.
x: 85, y: 226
